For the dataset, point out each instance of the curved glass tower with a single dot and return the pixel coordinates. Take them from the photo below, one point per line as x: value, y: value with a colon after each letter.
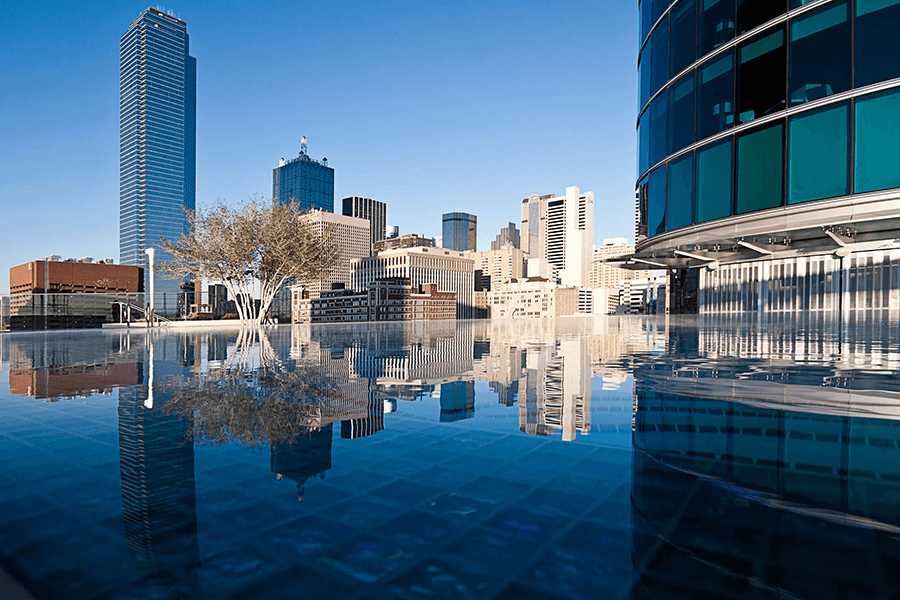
x: 767, y: 140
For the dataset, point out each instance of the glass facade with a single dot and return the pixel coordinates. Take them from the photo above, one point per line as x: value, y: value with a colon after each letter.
x: 306, y: 181
x: 751, y: 105
x: 460, y: 231
x: 158, y: 81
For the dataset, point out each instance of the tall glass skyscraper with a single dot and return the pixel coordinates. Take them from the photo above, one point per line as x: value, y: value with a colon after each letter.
x: 767, y: 136
x: 304, y: 180
x: 459, y: 231
x: 157, y: 152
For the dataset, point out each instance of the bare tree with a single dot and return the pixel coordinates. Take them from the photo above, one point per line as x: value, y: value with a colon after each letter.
x: 255, y: 250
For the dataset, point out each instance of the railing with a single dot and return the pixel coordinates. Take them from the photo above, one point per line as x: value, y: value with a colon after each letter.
x: 126, y: 311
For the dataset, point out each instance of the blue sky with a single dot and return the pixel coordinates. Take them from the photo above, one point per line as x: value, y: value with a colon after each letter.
x: 429, y: 106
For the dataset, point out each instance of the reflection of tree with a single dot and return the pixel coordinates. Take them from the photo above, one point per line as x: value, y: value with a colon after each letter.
x: 253, y: 400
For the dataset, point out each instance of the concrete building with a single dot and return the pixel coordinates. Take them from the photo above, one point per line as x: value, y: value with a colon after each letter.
x: 508, y: 235
x: 366, y: 208
x: 391, y: 231
x: 451, y: 271
x: 352, y: 237
x: 501, y: 265
x: 459, y: 231
x: 408, y: 240
x: 530, y: 297
x: 560, y: 229
x: 771, y: 185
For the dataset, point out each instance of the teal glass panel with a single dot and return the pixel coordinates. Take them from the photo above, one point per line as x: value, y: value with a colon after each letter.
x: 656, y: 201
x: 714, y: 181
x: 644, y: 142
x: 818, y: 154
x: 876, y: 41
x: 683, y: 43
x: 679, y: 198
x: 716, y: 23
x: 877, y: 143
x: 659, y: 56
x: 759, y: 169
x: 820, y: 54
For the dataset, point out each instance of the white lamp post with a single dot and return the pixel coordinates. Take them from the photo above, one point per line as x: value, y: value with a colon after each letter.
x: 150, y: 252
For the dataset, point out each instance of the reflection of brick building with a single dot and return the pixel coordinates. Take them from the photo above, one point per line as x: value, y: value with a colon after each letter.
x: 71, y: 380
x: 49, y: 294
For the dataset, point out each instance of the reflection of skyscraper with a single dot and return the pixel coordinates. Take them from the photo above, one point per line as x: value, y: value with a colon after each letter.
x: 371, y: 424
x: 457, y: 400
x: 156, y: 462
x: 303, y: 457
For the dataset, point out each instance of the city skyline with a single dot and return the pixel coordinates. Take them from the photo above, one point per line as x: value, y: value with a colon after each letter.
x: 239, y: 131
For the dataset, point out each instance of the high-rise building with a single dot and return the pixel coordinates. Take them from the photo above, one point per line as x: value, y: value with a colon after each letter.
x: 508, y: 235
x: 766, y: 138
x: 304, y: 180
x: 459, y: 231
x: 501, y: 265
x: 391, y: 231
x: 157, y: 143
x: 366, y: 208
x: 561, y: 230
x: 351, y: 235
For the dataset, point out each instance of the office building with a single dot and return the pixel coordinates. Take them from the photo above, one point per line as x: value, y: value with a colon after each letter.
x: 157, y: 151
x: 384, y: 300
x: 766, y: 144
x: 560, y: 229
x: 532, y: 297
x: 608, y: 273
x: 372, y: 210
x: 508, y: 235
x: 459, y: 232
x: 391, y: 232
x: 351, y: 235
x: 498, y: 266
x: 451, y: 271
x: 304, y: 180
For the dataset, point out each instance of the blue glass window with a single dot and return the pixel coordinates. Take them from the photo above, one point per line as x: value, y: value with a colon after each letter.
x: 715, y: 96
x: 753, y: 13
x: 644, y: 142
x: 876, y: 42
x: 818, y: 154
x: 643, y: 203
x: 760, y: 163
x: 681, y: 109
x: 659, y: 56
x: 820, y: 54
x: 716, y: 23
x: 683, y: 49
x: 877, y: 142
x: 657, y: 113
x: 714, y: 169
x: 761, y: 76
x: 646, y: 16
x: 656, y: 201
x: 644, y: 76
x: 680, y: 192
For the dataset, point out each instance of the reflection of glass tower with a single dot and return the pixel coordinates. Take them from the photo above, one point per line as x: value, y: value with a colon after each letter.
x: 457, y: 400
x: 303, y: 457
x: 158, y: 113
x: 156, y: 461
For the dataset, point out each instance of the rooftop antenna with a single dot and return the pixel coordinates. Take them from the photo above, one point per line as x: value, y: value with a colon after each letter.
x: 303, y: 145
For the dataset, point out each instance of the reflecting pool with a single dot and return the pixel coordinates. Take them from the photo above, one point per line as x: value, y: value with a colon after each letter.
x: 583, y: 458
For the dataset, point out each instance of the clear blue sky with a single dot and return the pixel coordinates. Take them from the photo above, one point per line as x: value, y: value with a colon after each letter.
x: 429, y: 106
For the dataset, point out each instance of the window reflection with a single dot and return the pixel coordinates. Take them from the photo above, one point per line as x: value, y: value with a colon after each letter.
x: 761, y: 76
x: 714, y: 181
x: 657, y: 112
x: 715, y: 102
x: 680, y: 192
x: 818, y: 154
x: 683, y: 49
x: 876, y: 42
x: 820, y: 54
x: 760, y: 166
x: 877, y: 142
x: 716, y: 23
x: 659, y: 57
x: 656, y: 201
x: 681, y: 108
x: 753, y: 13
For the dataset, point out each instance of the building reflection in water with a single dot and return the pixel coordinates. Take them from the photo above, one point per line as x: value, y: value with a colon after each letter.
x: 304, y: 457
x: 755, y: 477
x: 156, y: 460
